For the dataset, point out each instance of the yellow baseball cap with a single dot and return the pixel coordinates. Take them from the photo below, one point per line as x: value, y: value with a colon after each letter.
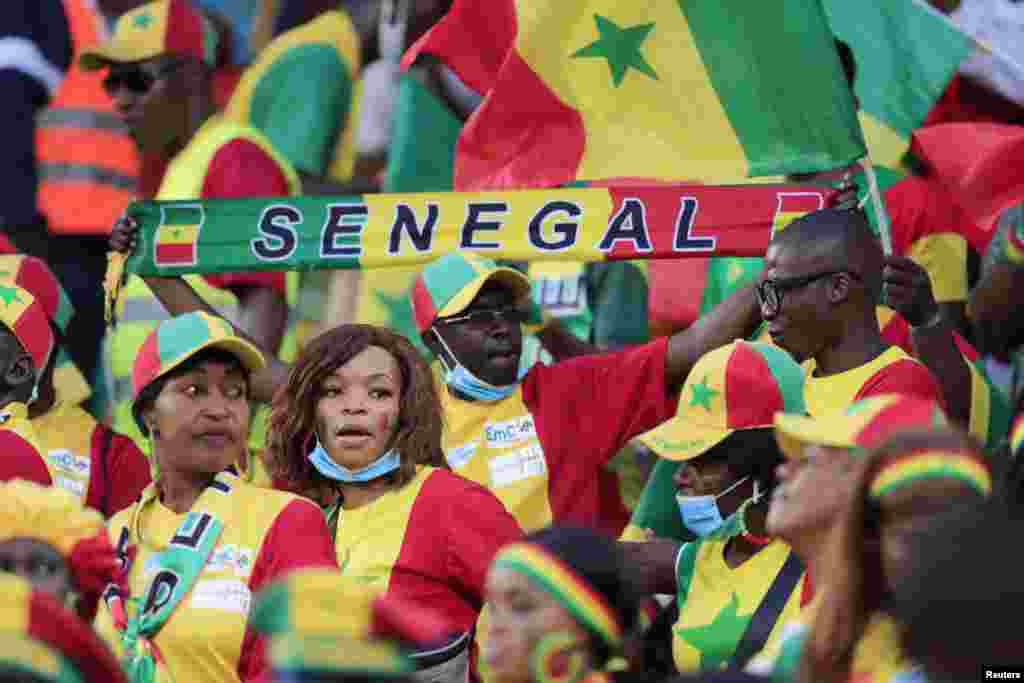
x: 864, y: 424
x: 154, y: 29
x: 738, y: 386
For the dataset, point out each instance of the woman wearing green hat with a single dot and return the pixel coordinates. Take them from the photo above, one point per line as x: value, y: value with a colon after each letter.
x: 200, y: 542
x: 737, y: 587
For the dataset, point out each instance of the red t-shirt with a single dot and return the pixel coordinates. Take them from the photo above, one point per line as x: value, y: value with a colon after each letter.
x: 241, y: 169
x: 127, y: 469
x: 298, y: 539
x: 21, y: 460
x: 585, y: 410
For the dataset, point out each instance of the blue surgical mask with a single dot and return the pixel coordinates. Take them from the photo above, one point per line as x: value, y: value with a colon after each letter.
x: 462, y: 380
x: 701, y: 514
x: 325, y: 465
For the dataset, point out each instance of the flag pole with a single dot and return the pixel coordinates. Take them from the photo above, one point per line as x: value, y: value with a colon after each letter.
x: 875, y: 196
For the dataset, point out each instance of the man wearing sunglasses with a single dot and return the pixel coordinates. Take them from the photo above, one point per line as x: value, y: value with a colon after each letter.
x: 159, y: 64
x: 821, y: 284
x: 540, y: 439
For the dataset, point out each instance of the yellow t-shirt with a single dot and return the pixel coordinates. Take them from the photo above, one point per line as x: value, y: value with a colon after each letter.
x: 891, y: 372
x: 265, y: 534
x: 717, y: 602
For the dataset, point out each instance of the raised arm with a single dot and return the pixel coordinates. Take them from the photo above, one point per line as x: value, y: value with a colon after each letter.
x: 734, y: 318
x: 178, y: 297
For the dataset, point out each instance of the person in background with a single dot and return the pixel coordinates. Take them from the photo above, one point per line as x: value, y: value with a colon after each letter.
x: 897, y: 491
x: 41, y: 642
x: 60, y: 547
x: 26, y: 344
x: 723, y: 580
x: 103, y: 469
x: 327, y: 628
x: 562, y: 608
x: 88, y: 174
x: 993, y: 304
x: 822, y: 455
x: 36, y: 61
x: 159, y: 62
x: 200, y: 542
x: 541, y: 440
x: 358, y: 428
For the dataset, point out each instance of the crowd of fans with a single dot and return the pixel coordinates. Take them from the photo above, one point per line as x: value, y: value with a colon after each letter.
x: 247, y: 478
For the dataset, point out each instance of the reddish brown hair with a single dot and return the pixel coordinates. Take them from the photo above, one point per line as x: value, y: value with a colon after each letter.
x: 855, y: 578
x: 293, y: 412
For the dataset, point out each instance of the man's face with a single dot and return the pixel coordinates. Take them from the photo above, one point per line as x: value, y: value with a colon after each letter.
x: 149, y: 97
x: 811, y: 492
x: 488, y: 348
x: 799, y: 318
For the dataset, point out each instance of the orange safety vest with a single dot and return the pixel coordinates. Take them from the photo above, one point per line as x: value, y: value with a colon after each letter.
x: 88, y: 163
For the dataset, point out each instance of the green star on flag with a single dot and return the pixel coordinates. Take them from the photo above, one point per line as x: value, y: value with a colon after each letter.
x: 726, y: 627
x: 702, y: 394
x: 621, y: 47
x: 9, y: 295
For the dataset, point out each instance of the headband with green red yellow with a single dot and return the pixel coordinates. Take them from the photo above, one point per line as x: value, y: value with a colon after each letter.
x: 932, y: 464
x: 566, y: 586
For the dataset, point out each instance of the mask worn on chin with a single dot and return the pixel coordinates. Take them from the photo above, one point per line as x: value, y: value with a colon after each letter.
x: 701, y: 514
x: 461, y: 379
x: 321, y: 460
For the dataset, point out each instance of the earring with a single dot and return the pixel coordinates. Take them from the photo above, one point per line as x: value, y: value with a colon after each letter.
x: 558, y: 658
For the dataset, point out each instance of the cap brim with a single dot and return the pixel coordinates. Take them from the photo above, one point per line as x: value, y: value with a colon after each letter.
x: 116, y: 52
x: 678, y: 440
x: 510, y: 277
x: 248, y: 355
x: 793, y: 432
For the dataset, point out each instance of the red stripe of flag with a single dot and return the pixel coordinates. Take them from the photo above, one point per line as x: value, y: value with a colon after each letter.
x: 474, y: 37
x: 175, y: 254
x: 521, y: 130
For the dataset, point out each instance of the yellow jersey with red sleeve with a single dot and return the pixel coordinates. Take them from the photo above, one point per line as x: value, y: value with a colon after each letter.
x: 430, y: 541
x: 21, y: 454
x: 892, y: 372
x: 717, y: 602
x: 104, y: 469
x: 300, y: 93
x: 265, y: 535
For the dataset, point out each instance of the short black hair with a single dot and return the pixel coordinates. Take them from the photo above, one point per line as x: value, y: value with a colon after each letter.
x: 151, y: 391
x: 750, y: 453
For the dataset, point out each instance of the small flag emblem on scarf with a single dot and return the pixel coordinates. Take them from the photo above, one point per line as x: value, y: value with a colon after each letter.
x: 793, y: 205
x: 177, y: 237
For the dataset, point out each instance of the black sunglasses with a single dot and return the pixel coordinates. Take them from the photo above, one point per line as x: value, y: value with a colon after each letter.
x: 488, y: 316
x: 137, y: 79
x: 771, y: 291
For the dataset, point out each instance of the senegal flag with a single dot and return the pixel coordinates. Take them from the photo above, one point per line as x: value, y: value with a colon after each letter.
x: 710, y: 89
x: 906, y: 54
x: 177, y: 238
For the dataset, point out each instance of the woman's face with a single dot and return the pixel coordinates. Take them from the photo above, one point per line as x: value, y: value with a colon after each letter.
x: 38, y: 563
x: 520, y: 615
x: 709, y: 476
x: 909, y: 511
x: 358, y: 408
x: 811, y: 492
x: 200, y: 420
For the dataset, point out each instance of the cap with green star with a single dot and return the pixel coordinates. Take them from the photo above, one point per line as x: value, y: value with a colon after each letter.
x: 738, y: 386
